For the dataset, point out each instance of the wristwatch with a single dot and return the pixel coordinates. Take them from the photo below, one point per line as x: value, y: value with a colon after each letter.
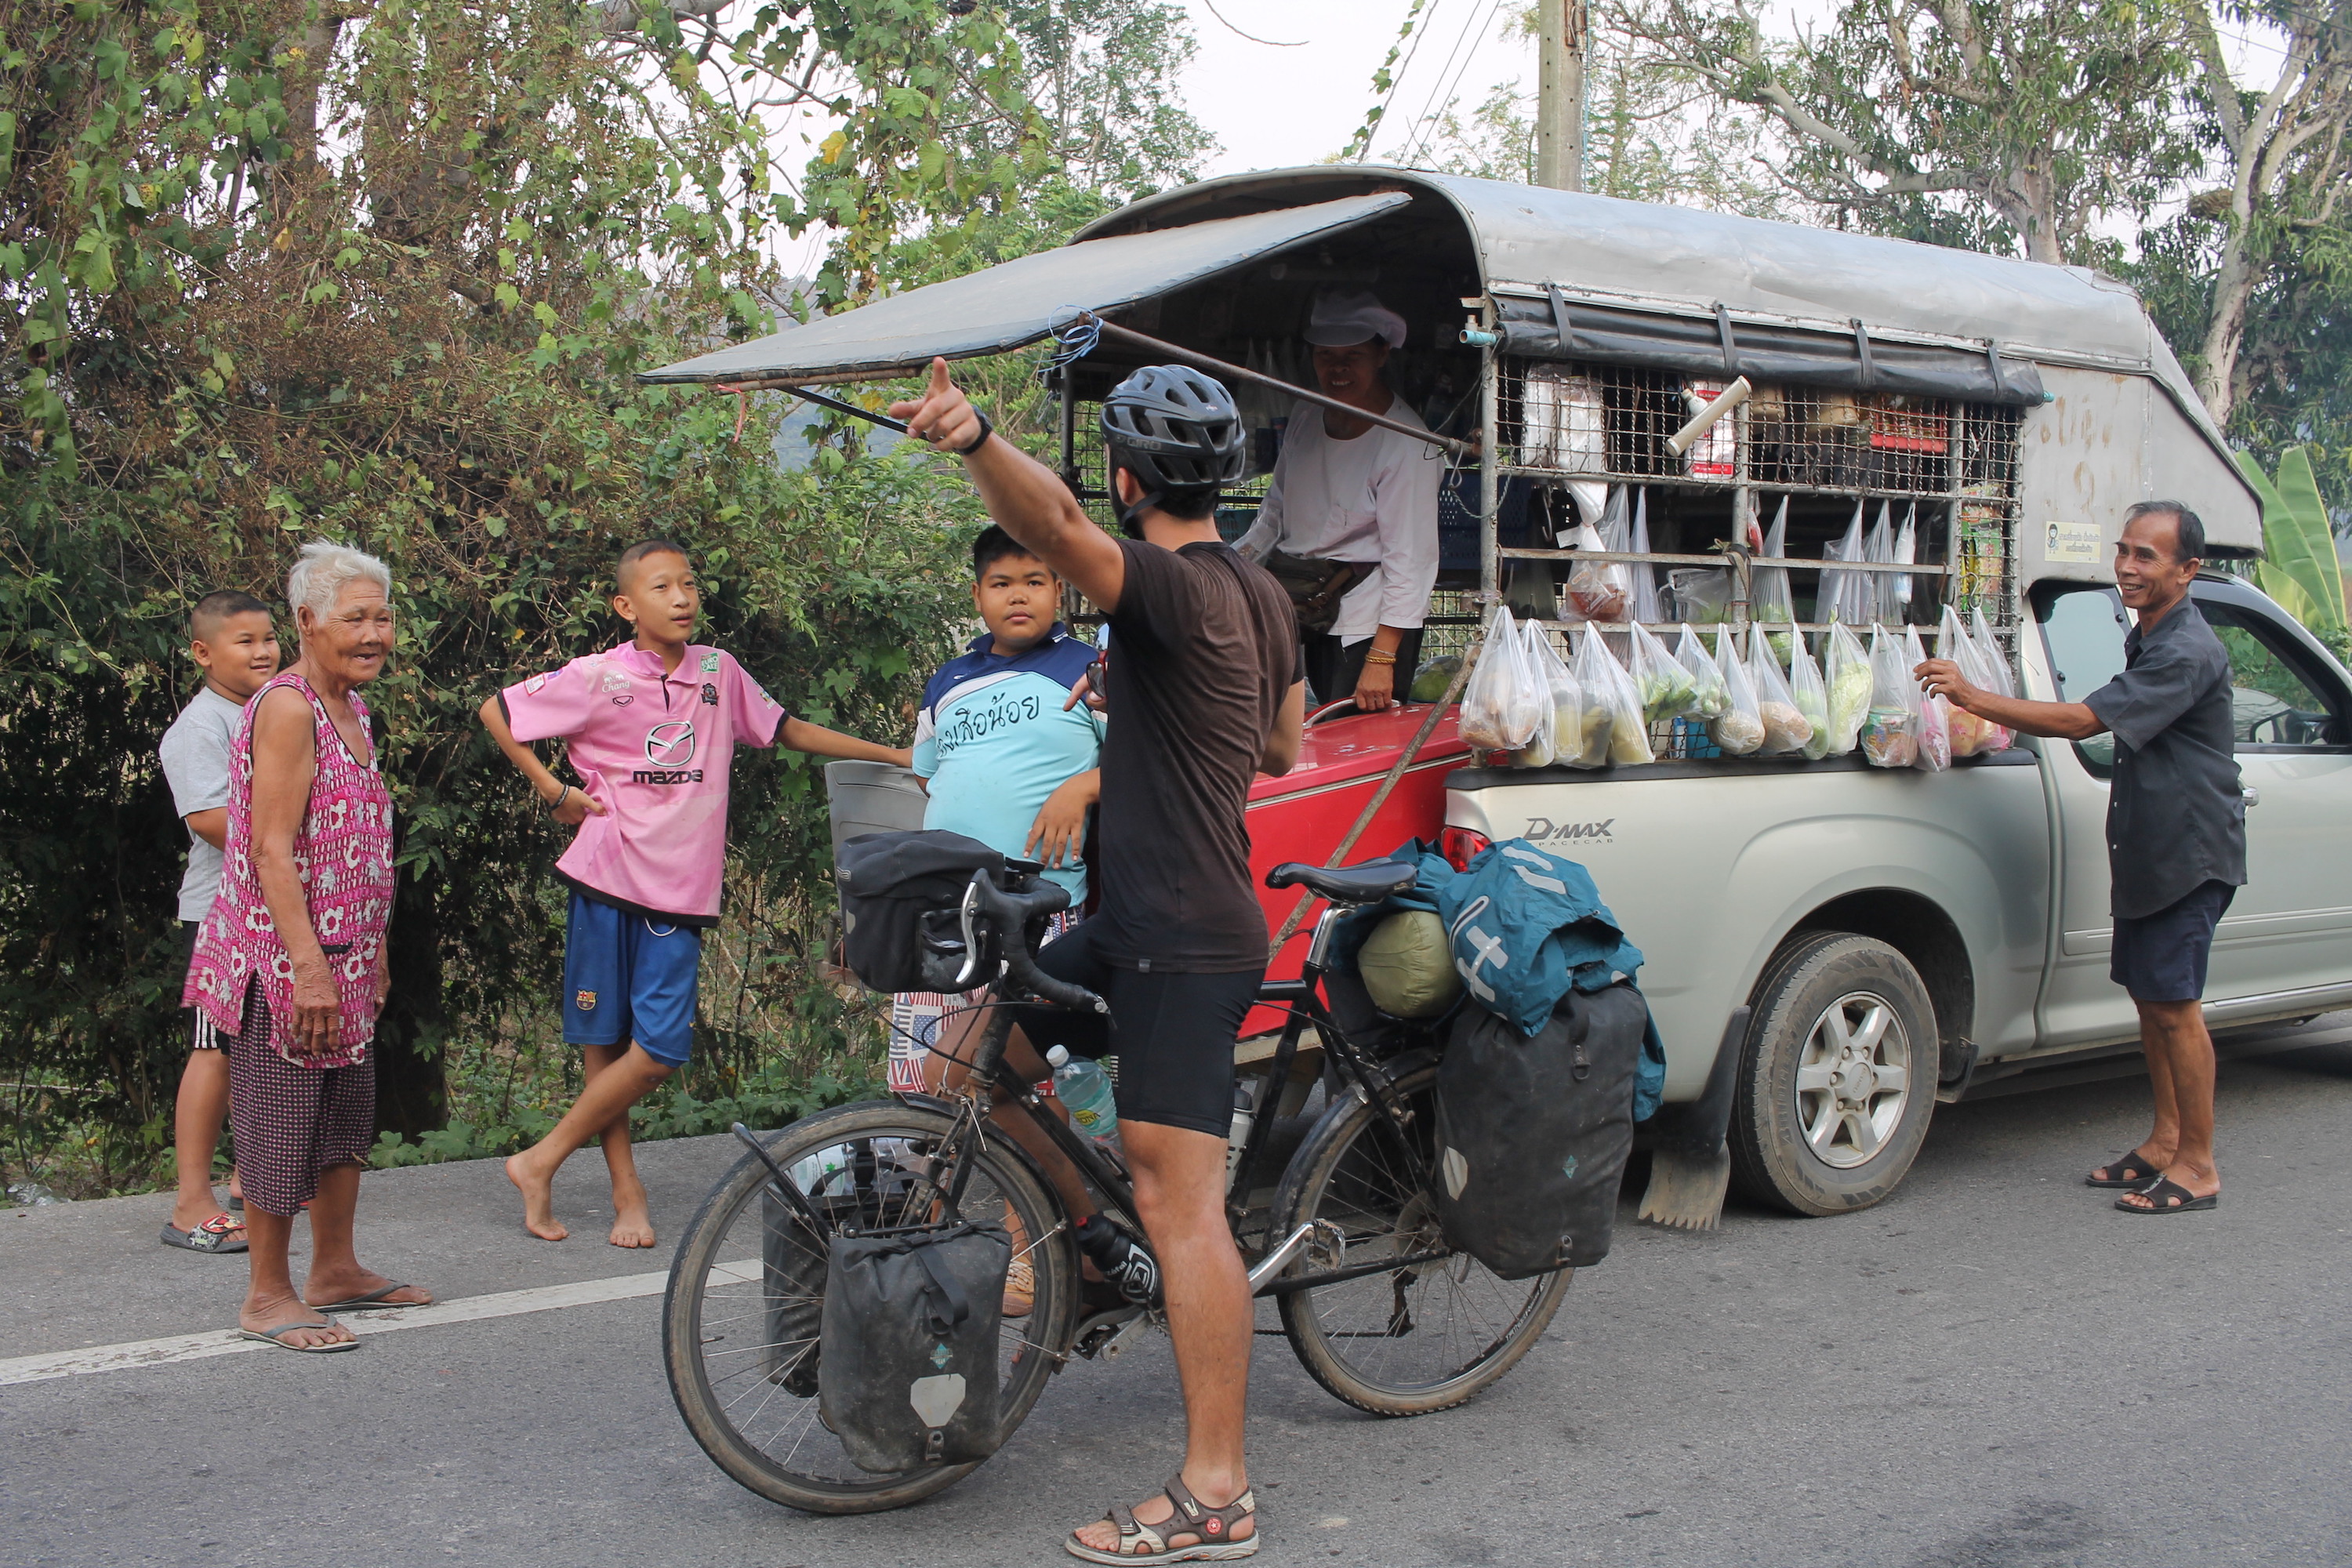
x: 986, y: 430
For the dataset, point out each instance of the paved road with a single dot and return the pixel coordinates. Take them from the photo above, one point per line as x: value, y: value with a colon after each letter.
x: 1993, y: 1368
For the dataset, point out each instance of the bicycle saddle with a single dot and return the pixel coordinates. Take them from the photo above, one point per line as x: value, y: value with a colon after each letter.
x: 1366, y: 884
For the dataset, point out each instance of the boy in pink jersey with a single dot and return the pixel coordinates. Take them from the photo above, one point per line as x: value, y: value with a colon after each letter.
x: 651, y: 728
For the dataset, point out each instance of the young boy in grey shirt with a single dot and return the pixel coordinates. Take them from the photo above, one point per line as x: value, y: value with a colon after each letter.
x: 232, y: 640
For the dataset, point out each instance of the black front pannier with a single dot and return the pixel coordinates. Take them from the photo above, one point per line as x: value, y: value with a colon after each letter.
x: 1532, y: 1134
x: 899, y: 897
x: 909, y: 1378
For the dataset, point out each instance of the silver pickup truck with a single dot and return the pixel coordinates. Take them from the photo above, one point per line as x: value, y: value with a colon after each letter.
x: 1896, y: 938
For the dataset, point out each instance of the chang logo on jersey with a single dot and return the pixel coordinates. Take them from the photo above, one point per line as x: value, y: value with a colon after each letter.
x: 669, y: 747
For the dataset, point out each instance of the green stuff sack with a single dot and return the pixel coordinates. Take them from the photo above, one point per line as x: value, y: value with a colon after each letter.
x: 1407, y: 965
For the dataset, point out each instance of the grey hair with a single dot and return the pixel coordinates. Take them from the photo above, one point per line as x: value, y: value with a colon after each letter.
x: 321, y: 571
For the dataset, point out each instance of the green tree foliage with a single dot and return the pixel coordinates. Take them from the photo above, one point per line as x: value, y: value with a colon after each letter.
x: 383, y: 272
x: 2299, y: 568
x: 2013, y: 126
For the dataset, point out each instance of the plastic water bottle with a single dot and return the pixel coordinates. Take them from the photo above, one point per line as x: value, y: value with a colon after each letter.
x: 1084, y: 1092
x: 1238, y: 1136
x: 1121, y: 1258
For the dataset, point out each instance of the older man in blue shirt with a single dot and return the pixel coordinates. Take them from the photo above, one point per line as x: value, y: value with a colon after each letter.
x: 2176, y: 838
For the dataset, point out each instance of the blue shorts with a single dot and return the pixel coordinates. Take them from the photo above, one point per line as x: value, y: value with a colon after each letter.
x: 2161, y: 957
x: 626, y: 977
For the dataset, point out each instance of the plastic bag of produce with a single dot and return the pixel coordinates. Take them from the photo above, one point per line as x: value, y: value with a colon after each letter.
x: 1844, y: 595
x: 1739, y: 730
x: 1769, y: 602
x: 1598, y: 590
x: 1666, y: 688
x: 1540, y: 748
x: 1785, y: 729
x: 1812, y: 698
x: 1618, y: 731
x: 1646, y: 610
x: 1701, y: 594
x: 1503, y: 701
x: 1709, y: 697
x: 1935, y: 713
x: 1996, y: 658
x: 1585, y: 739
x: 1431, y: 682
x: 1879, y: 548
x: 1571, y: 725
x: 1972, y: 736
x: 1890, y: 731
x: 1906, y: 551
x: 1845, y: 669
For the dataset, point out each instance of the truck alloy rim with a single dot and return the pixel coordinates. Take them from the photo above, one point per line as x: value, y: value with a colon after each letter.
x: 1853, y: 1080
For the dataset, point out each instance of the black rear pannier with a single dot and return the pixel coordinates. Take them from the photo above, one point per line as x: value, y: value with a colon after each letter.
x: 909, y: 1378
x: 1532, y: 1134
x: 900, y: 893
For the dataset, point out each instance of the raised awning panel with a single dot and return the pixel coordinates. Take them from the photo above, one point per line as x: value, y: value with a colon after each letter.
x: 1018, y: 302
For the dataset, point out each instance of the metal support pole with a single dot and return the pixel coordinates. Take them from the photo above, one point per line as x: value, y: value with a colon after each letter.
x: 1490, y: 461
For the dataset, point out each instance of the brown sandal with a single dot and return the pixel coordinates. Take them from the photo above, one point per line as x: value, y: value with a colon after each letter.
x: 1211, y: 1528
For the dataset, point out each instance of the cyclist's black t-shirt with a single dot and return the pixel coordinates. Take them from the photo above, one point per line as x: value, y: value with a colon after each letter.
x: 1203, y: 650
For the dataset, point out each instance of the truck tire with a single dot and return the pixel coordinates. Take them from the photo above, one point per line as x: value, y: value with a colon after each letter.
x: 1837, y: 1082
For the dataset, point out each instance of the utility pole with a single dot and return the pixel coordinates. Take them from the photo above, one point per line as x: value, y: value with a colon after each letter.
x: 1561, y: 28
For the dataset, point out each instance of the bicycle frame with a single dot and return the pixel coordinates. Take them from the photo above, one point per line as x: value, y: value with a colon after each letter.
x: 993, y: 1082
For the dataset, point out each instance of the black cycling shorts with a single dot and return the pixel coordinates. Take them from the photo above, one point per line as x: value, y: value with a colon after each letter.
x: 1173, y: 1032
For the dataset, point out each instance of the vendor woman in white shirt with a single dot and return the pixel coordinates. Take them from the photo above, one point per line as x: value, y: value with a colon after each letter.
x: 1349, y: 521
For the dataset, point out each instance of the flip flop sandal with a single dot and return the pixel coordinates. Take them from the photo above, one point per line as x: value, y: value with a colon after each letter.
x: 212, y: 1235
x: 2161, y: 1196
x: 2111, y: 1175
x: 277, y: 1337
x: 373, y: 1302
x: 1211, y: 1527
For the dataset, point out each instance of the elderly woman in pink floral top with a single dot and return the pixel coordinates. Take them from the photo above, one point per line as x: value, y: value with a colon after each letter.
x: 291, y: 962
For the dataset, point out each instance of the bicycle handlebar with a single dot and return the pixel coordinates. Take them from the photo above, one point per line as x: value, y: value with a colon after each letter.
x: 1010, y: 912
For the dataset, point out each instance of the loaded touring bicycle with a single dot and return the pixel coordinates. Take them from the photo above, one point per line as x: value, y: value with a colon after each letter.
x: 1832, y: 948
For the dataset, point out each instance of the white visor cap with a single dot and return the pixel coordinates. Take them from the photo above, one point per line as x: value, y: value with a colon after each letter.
x: 1341, y: 320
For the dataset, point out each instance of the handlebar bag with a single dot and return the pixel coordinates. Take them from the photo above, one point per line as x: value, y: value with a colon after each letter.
x: 900, y: 893
x: 1533, y: 1132
x: 908, y: 1375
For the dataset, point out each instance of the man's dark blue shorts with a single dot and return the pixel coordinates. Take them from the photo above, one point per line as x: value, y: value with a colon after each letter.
x: 2161, y: 957
x: 629, y: 978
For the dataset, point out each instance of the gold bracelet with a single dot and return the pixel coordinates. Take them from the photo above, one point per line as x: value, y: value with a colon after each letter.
x: 1377, y: 657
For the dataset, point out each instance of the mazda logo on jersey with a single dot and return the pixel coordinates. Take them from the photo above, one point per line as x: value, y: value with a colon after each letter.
x: 670, y: 745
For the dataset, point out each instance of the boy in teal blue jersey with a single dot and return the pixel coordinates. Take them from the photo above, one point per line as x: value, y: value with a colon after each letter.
x: 1007, y: 757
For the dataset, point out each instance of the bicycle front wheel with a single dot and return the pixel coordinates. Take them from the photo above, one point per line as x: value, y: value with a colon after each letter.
x: 746, y: 1294
x: 1428, y: 1333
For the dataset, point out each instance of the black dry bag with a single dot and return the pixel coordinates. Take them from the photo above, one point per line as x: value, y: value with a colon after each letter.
x: 909, y: 1376
x: 1532, y: 1134
x: 901, y: 895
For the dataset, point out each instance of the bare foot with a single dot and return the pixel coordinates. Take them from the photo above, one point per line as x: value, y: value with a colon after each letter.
x: 262, y: 1313
x: 1103, y: 1534
x: 348, y: 1285
x: 633, y: 1222
x: 538, y: 1198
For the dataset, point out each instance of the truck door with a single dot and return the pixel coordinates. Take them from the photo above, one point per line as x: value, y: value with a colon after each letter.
x: 2290, y: 927
x: 2083, y: 628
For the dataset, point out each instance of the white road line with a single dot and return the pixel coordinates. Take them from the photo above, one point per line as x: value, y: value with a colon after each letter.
x: 226, y: 1341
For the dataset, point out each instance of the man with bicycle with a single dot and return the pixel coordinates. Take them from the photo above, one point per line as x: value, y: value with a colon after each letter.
x: 1207, y: 693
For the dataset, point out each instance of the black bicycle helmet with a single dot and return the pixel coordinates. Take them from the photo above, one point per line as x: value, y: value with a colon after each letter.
x: 1175, y: 430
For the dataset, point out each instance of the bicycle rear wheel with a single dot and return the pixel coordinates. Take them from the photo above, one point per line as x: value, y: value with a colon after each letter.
x: 739, y: 1324
x: 1406, y: 1341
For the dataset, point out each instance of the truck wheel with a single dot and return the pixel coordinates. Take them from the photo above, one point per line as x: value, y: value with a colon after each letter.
x: 1838, y: 1079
